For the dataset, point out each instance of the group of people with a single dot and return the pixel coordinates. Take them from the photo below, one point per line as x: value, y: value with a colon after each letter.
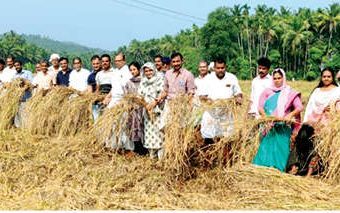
x: 160, y: 81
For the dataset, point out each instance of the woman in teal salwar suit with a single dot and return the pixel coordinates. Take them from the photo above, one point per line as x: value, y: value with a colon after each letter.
x: 282, y: 102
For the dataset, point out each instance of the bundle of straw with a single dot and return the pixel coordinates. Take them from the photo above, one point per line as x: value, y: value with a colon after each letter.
x: 10, y: 97
x: 45, y: 112
x: 327, y: 145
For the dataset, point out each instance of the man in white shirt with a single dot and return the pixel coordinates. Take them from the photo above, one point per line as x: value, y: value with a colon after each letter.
x: 55, y: 67
x: 43, y: 80
x: 9, y: 72
x: 222, y: 85
x: 103, y: 77
x: 122, y: 70
x: 78, y: 76
x: 262, y: 81
x: 201, y: 80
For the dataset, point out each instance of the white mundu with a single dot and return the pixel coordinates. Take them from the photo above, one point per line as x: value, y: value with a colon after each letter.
x: 216, y: 122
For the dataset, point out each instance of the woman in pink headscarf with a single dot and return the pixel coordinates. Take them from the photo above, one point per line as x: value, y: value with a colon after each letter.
x: 282, y: 102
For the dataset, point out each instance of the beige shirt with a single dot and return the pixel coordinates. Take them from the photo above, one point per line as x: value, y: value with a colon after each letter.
x: 43, y: 81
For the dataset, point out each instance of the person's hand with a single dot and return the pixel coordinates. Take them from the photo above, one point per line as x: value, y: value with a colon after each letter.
x: 106, y: 100
x: 239, y: 100
x: 327, y: 109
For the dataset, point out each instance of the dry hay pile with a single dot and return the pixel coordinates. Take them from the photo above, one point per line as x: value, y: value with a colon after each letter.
x: 69, y: 173
x: 10, y: 97
x: 60, y: 111
x: 327, y: 145
x: 113, y: 122
x: 181, y: 139
x: 75, y: 172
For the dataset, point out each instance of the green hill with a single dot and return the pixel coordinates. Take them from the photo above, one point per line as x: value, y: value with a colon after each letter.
x: 60, y: 46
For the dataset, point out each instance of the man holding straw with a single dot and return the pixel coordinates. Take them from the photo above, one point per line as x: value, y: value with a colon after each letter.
x: 222, y: 86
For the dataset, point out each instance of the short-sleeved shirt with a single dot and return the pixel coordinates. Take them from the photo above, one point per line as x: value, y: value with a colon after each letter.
x: 103, y: 79
x: 124, y: 74
x: 8, y: 75
x: 224, y: 88
x: 25, y: 74
x: 43, y: 81
x: 91, y: 80
x: 63, y: 78
x: 258, y: 85
x: 53, y: 73
x: 182, y: 82
x: 78, y: 79
x: 201, y: 84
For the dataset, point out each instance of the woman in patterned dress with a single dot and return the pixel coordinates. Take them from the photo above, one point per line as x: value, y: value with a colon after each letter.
x: 150, y: 88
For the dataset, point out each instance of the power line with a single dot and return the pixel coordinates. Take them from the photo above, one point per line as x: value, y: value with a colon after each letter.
x: 169, y: 10
x: 152, y: 11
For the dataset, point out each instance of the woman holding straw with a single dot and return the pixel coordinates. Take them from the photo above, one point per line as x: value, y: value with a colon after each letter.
x: 282, y: 103
x: 135, y: 121
x: 323, y: 96
x: 323, y: 103
x: 150, y: 88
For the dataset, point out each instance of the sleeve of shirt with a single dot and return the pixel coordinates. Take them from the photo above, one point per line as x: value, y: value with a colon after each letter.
x: 237, y: 88
x: 166, y: 83
x: 89, y: 80
x: 191, y: 84
x: 97, y: 78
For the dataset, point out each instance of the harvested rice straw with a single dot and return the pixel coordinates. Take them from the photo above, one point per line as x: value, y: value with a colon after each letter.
x: 327, y: 145
x: 45, y: 112
x: 179, y: 138
x: 260, y: 188
x: 113, y: 121
x: 79, y: 114
x: 68, y: 174
x: 242, y: 146
x: 10, y: 98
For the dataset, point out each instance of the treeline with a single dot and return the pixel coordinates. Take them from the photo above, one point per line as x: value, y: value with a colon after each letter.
x: 301, y: 42
x: 18, y: 46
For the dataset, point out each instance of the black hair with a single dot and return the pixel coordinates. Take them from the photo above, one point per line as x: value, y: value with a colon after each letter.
x: 62, y: 59
x: 158, y: 56
x: 95, y: 57
x: 105, y: 56
x: 2, y: 61
x: 333, y: 77
x: 219, y: 61
x: 166, y: 60
x: 77, y: 58
x: 136, y: 64
x: 18, y: 61
x: 175, y: 54
x: 263, y: 61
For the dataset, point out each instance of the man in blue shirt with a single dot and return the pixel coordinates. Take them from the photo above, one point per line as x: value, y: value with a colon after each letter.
x: 63, y: 75
x: 26, y: 75
x: 96, y: 67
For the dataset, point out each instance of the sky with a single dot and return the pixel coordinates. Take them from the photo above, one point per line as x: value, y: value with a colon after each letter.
x: 108, y: 24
